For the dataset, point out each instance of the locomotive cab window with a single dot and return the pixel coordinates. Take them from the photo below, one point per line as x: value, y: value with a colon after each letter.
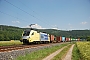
x: 32, y: 33
x: 26, y: 33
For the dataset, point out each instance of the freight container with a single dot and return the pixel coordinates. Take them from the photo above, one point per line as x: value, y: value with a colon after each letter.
x: 78, y: 39
x: 52, y: 38
x: 59, y: 39
x: 63, y: 39
x: 71, y: 39
x: 67, y: 39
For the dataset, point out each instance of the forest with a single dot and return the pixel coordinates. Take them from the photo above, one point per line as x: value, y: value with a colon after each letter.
x: 10, y: 33
x: 15, y: 33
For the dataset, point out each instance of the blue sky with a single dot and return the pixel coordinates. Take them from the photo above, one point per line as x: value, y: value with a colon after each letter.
x: 61, y: 14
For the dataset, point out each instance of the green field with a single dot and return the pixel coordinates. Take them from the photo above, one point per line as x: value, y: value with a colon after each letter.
x: 9, y: 43
x: 81, y: 51
x: 84, y: 48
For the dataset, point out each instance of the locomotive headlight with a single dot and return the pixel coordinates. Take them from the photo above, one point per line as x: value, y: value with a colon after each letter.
x: 28, y: 38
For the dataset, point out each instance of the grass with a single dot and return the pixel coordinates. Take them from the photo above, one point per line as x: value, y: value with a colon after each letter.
x: 62, y: 53
x: 40, y: 54
x: 75, y: 53
x: 9, y: 43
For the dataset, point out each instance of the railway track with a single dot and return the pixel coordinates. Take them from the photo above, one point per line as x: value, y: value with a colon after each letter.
x: 18, y: 47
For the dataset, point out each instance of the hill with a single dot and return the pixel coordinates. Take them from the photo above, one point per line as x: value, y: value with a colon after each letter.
x: 71, y: 33
x: 15, y: 33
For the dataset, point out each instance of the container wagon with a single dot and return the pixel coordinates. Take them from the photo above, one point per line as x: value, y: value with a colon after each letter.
x: 78, y: 39
x: 63, y: 39
x: 52, y: 38
x: 59, y: 39
x: 67, y: 39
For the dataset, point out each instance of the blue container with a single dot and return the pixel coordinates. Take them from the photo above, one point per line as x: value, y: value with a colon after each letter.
x: 63, y: 38
x: 43, y: 36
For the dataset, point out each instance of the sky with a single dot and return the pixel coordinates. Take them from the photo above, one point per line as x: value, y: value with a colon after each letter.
x: 60, y: 14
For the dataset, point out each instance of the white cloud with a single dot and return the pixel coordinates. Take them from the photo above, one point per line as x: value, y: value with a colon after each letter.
x: 15, y: 21
x: 34, y: 26
x: 38, y: 27
x: 83, y: 23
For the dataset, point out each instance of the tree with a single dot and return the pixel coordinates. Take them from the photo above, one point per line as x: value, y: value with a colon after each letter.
x: 88, y: 39
x: 1, y: 37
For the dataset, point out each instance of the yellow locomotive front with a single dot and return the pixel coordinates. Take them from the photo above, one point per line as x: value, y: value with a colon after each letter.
x: 30, y: 36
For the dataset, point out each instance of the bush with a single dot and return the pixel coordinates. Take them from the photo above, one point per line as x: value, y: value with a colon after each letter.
x: 88, y: 39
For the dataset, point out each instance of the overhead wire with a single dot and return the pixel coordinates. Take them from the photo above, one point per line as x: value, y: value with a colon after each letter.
x: 25, y: 12
x: 32, y: 10
x: 27, y: 6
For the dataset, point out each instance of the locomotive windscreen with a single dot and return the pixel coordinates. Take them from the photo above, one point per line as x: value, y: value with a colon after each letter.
x: 26, y: 33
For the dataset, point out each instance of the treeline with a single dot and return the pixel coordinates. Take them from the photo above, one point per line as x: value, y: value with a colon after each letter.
x: 10, y: 33
x: 15, y: 33
x: 83, y: 34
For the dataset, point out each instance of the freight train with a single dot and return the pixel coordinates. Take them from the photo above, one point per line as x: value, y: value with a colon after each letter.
x: 33, y: 36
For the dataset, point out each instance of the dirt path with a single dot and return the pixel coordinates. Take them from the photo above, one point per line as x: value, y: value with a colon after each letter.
x: 69, y: 54
x: 53, y: 54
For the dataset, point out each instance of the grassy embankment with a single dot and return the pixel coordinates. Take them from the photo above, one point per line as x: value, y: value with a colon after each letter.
x: 9, y: 43
x: 40, y: 54
x: 62, y: 53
